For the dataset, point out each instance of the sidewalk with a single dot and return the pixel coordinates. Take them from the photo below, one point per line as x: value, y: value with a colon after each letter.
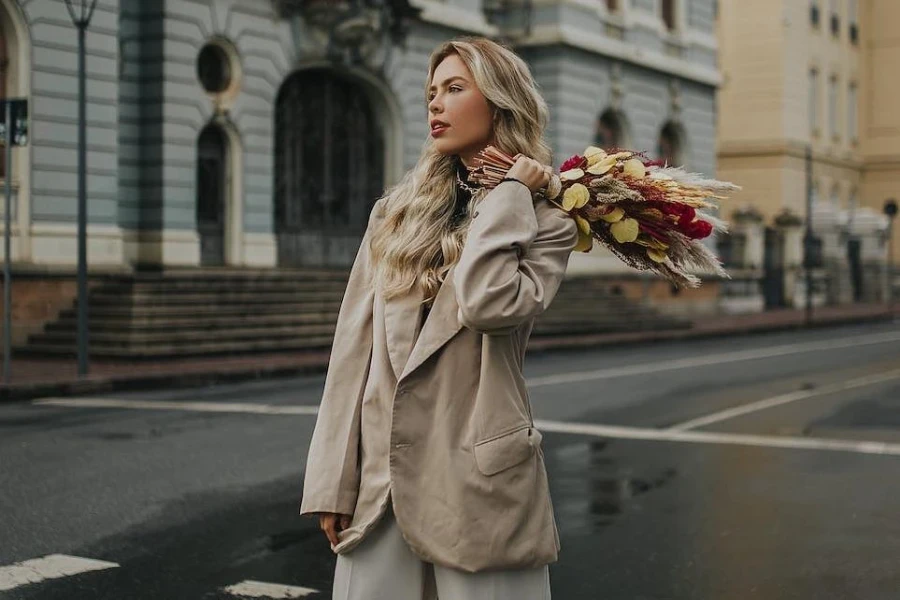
x: 34, y: 378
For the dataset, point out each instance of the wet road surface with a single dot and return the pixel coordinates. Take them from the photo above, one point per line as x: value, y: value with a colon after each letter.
x: 754, y: 467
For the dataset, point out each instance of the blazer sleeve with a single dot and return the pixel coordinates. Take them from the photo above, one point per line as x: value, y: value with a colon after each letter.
x: 512, y: 262
x: 331, y: 481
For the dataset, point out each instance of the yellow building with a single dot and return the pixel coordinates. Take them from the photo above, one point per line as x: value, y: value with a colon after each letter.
x: 817, y: 74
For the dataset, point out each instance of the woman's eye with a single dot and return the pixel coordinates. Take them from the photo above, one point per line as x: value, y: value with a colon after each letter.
x: 451, y: 88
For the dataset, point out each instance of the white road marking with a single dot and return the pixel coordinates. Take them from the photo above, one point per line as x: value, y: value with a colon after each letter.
x: 259, y: 589
x: 785, y: 399
x: 712, y: 359
x: 52, y: 566
x: 705, y: 437
x: 222, y: 407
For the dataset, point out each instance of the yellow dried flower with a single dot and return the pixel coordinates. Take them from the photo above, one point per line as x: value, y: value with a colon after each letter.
x: 656, y: 255
x: 601, y: 168
x: 575, y: 197
x: 625, y: 230
x: 584, y: 225
x: 593, y: 154
x: 635, y: 168
x: 571, y: 175
x: 585, y: 242
x: 613, y: 216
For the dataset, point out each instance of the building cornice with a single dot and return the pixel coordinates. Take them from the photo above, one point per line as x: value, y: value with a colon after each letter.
x: 450, y: 15
x: 778, y: 148
x: 546, y: 35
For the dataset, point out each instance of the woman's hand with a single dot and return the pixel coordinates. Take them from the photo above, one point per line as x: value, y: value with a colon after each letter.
x: 530, y: 172
x: 332, y: 523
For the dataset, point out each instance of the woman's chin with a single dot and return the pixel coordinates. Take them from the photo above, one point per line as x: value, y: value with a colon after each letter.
x: 444, y: 148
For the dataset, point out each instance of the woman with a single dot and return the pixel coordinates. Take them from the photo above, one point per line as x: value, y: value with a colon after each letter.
x: 425, y: 469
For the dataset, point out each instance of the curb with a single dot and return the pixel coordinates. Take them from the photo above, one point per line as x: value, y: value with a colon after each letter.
x: 643, y: 338
x: 156, y: 381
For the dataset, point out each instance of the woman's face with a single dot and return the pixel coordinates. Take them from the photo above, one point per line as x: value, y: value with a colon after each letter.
x: 460, y: 118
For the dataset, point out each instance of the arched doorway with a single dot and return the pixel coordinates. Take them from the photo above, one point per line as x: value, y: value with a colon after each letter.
x: 212, y: 192
x: 15, y: 79
x: 329, y: 168
x: 612, y: 130
x: 671, y: 144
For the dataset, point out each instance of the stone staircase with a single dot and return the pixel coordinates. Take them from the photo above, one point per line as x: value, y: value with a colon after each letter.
x: 227, y: 311
x: 590, y: 305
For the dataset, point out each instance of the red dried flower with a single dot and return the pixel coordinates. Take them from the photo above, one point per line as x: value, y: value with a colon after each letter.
x: 574, y: 162
x: 696, y: 230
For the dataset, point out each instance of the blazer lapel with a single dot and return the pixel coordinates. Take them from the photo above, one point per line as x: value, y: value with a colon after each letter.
x: 401, y: 323
x: 440, y: 326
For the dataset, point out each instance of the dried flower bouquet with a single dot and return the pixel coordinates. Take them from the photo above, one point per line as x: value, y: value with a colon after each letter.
x: 647, y: 214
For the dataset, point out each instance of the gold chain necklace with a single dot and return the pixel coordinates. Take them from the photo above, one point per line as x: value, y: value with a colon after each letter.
x: 466, y: 187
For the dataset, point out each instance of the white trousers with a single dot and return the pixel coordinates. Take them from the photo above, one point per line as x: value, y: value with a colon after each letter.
x: 382, y: 567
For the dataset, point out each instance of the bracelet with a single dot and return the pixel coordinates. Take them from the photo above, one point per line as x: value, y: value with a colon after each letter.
x: 514, y: 179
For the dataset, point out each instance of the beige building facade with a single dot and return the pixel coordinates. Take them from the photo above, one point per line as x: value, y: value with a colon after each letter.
x: 812, y: 74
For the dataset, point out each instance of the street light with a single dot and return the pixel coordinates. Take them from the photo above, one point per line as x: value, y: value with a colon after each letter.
x: 81, y: 12
x: 890, y: 209
x: 808, y: 235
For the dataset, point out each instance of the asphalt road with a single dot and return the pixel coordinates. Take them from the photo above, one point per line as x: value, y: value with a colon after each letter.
x: 754, y: 467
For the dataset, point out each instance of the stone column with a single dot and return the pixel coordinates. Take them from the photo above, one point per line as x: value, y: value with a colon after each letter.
x: 747, y: 223
x: 790, y: 226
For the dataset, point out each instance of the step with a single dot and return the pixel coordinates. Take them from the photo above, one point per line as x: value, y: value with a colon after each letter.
x: 195, y: 321
x: 188, y: 310
x: 165, y: 287
x: 213, y: 299
x: 232, y: 274
x: 186, y: 336
x: 183, y: 350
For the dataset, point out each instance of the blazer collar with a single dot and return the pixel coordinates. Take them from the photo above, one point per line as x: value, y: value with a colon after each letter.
x: 402, y: 316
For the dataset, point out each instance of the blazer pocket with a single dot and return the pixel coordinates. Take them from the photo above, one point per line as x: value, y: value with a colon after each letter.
x: 506, y: 450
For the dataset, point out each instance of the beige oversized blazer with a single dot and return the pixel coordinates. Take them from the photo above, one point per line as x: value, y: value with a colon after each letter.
x: 438, y: 421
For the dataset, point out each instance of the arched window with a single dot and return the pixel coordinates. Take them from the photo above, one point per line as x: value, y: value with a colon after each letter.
x: 669, y: 15
x: 329, y: 159
x: 611, y: 130
x: 211, y: 190
x: 670, y: 146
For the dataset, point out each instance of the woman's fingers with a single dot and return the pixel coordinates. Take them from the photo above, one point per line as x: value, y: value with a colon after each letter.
x: 532, y: 173
x: 332, y: 524
x: 327, y: 524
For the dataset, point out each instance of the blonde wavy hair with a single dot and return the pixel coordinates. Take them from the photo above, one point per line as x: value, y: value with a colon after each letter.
x: 416, y: 242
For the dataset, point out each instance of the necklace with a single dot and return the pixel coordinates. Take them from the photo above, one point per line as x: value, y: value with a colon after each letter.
x: 465, y: 186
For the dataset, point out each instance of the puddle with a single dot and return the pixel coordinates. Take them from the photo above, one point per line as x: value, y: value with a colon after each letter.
x: 591, y: 488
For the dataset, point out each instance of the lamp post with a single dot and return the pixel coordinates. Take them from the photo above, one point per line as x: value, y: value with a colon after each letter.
x: 81, y: 12
x: 808, y: 235
x: 890, y: 210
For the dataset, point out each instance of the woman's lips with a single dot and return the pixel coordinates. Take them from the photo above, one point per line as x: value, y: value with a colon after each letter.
x: 439, y: 130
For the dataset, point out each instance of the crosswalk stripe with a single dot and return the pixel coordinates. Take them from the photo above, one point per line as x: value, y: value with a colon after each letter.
x: 746, y: 409
x: 709, y: 437
x: 52, y: 566
x: 709, y: 360
x: 259, y: 589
